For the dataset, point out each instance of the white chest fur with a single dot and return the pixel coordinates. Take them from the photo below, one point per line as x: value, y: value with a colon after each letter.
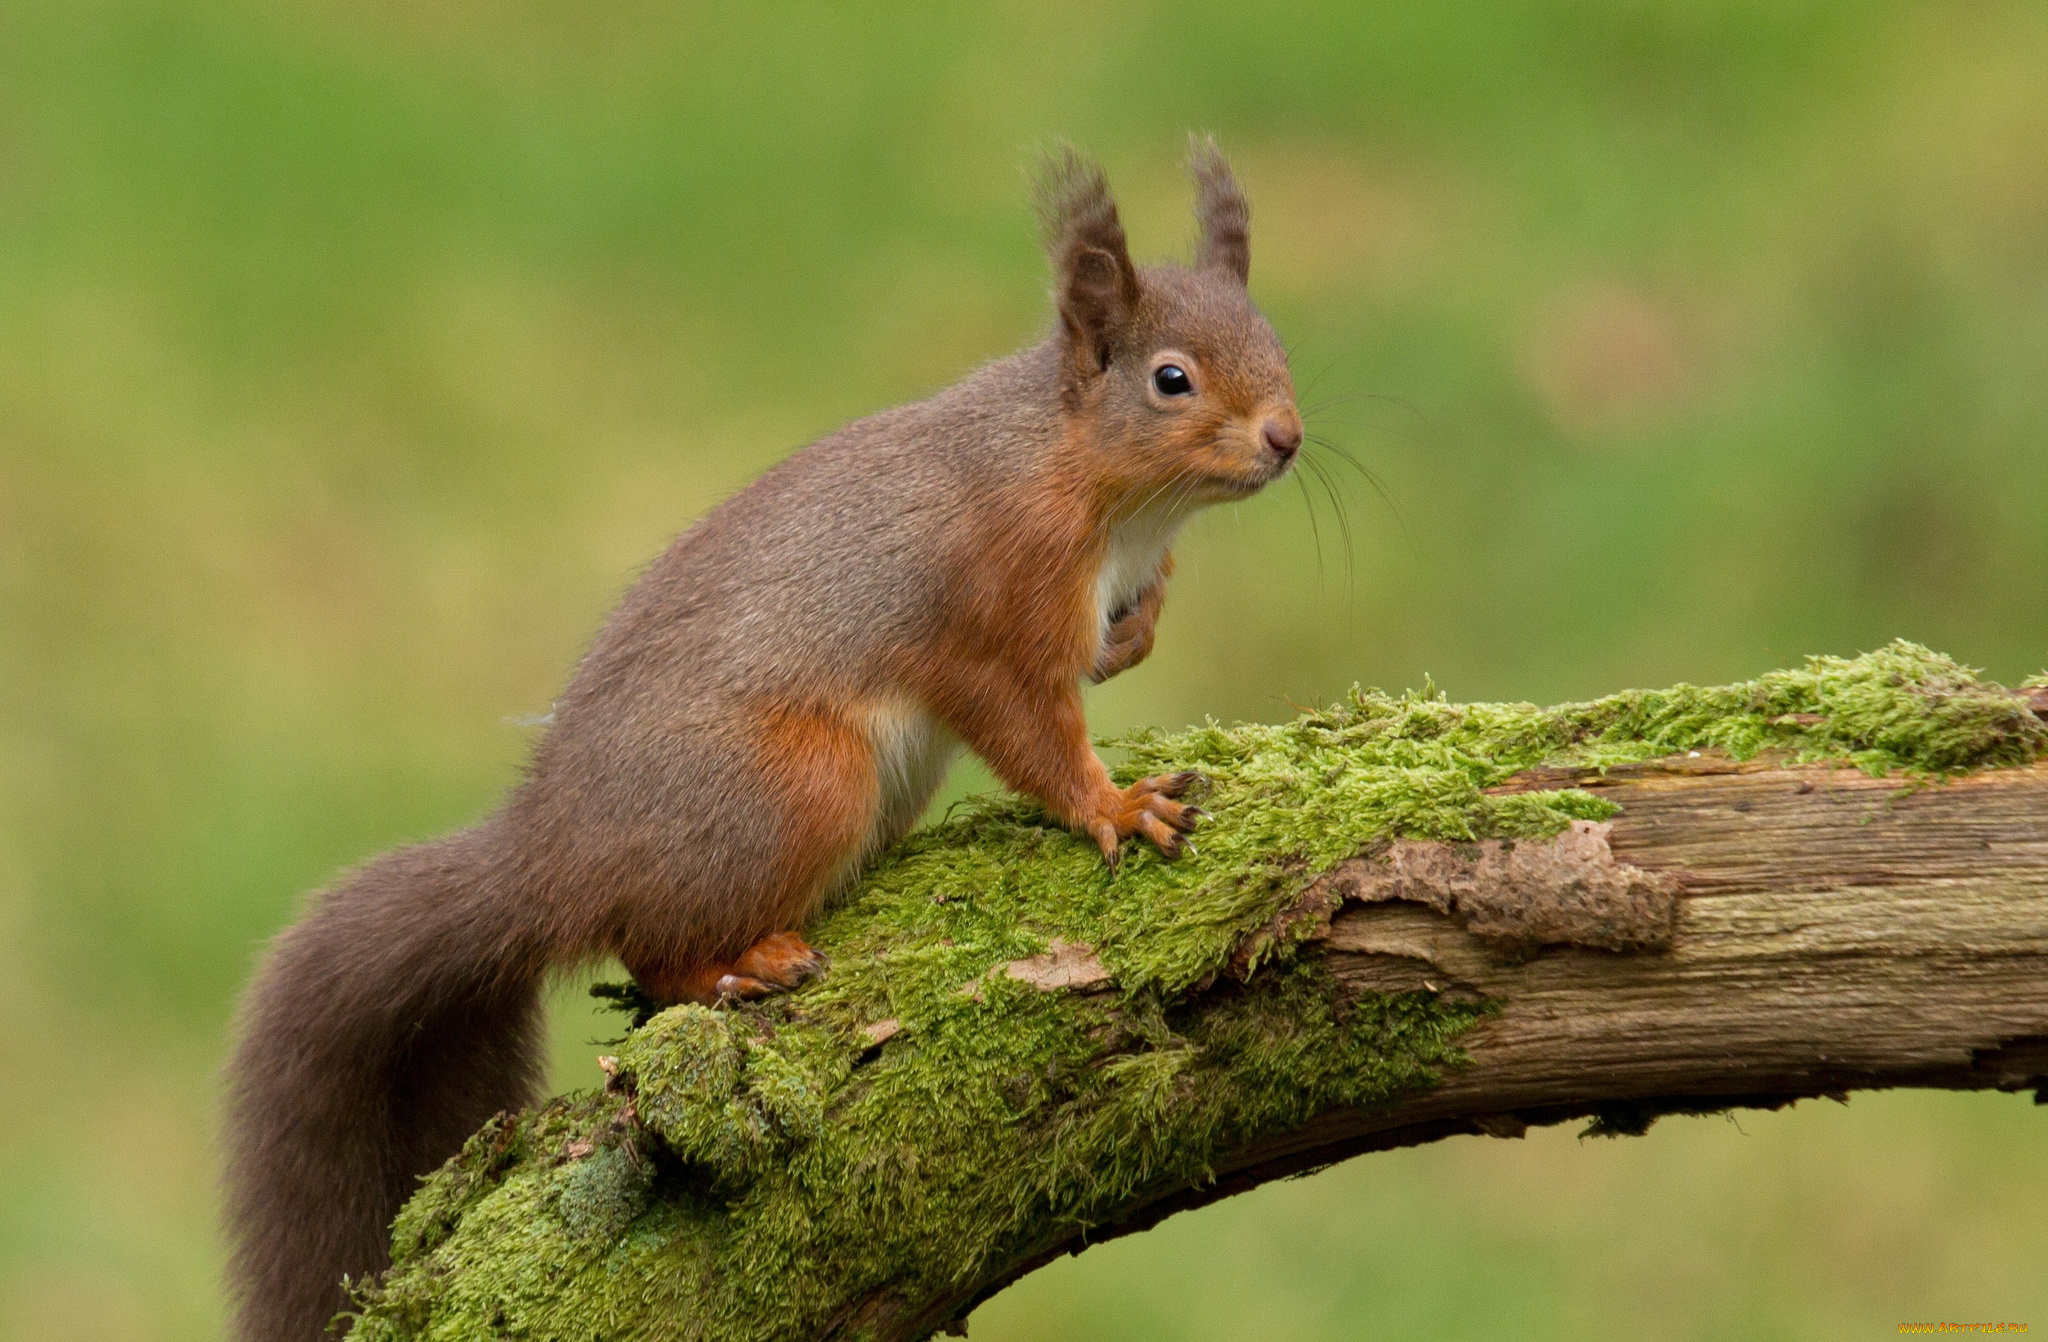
x: 912, y: 751
x: 1131, y: 562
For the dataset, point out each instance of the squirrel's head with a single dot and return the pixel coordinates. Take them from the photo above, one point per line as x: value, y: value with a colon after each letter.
x: 1182, y: 384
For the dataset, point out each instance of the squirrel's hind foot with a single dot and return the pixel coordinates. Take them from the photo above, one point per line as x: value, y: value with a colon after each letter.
x: 776, y: 963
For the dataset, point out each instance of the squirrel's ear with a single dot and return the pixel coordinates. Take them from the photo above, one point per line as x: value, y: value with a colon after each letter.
x: 1096, y: 286
x: 1225, y: 241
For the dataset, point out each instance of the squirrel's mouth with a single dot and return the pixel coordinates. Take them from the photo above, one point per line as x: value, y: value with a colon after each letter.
x: 1232, y: 488
x: 1250, y: 483
x: 1233, y: 474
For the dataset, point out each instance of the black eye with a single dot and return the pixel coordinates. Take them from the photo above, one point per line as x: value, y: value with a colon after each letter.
x: 1172, y: 380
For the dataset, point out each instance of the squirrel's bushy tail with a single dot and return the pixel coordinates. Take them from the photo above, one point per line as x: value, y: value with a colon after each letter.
x: 388, y: 1024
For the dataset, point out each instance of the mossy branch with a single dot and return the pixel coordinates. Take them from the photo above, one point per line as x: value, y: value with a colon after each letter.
x: 1407, y: 918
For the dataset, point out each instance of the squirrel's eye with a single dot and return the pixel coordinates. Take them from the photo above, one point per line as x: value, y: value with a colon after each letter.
x: 1172, y: 380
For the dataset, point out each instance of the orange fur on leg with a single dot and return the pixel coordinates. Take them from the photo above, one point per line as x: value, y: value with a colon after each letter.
x: 819, y: 775
x: 821, y: 770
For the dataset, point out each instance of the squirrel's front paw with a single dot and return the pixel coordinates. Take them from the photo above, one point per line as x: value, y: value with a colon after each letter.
x: 1130, y: 635
x: 1150, y: 807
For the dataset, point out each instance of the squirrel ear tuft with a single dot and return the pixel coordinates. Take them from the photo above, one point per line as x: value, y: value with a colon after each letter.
x: 1225, y: 216
x: 1096, y: 285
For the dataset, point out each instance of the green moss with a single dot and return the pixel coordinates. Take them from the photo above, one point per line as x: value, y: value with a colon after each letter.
x: 778, y: 1165
x: 726, y: 1093
x: 1901, y: 708
x: 603, y: 1193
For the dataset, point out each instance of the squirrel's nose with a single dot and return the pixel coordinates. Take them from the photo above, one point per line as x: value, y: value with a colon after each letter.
x: 1283, y: 436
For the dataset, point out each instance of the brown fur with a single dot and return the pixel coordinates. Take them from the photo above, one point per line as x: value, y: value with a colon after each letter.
x: 775, y: 700
x: 1225, y: 241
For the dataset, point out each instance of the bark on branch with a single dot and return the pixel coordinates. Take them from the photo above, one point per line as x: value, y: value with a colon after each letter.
x: 1832, y: 932
x: 1002, y: 1070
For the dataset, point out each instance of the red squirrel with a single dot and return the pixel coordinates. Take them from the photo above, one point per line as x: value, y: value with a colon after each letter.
x: 776, y: 700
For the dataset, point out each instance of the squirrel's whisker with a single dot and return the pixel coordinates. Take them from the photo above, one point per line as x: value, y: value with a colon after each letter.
x: 1315, y: 531
x: 1322, y: 478
x: 1372, y: 478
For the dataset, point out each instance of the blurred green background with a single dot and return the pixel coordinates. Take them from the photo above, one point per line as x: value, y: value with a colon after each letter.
x: 353, y: 355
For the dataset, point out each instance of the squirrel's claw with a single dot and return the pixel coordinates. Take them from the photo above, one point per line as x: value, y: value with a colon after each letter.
x: 1168, y: 785
x: 1107, y: 839
x: 1164, y: 833
x: 739, y: 988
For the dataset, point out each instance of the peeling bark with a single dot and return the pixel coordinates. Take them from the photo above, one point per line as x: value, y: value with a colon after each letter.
x: 1522, y: 896
x: 1065, y: 964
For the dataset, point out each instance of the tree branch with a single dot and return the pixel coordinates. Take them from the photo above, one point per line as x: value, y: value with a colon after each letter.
x: 1003, y: 1070
x: 1834, y: 933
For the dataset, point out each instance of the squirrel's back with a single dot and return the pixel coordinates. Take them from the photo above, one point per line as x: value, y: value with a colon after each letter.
x: 840, y: 548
